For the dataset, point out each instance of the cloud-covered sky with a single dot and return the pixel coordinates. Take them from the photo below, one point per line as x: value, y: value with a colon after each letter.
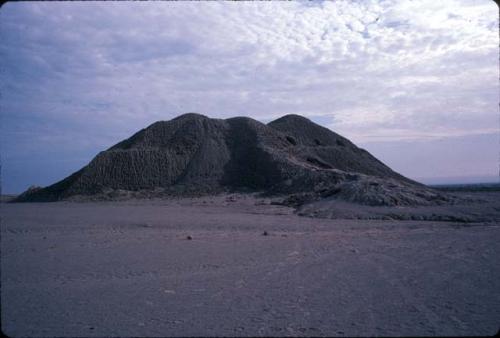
x: 414, y: 82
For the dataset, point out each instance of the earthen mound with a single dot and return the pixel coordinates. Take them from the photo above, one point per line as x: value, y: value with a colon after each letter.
x: 196, y: 155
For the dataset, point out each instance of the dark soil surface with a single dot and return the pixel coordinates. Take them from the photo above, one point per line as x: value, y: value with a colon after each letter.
x: 129, y: 269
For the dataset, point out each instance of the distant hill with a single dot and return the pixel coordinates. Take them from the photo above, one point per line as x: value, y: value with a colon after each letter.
x: 195, y: 155
x: 472, y: 187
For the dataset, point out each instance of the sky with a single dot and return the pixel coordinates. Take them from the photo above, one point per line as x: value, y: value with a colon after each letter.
x: 413, y: 82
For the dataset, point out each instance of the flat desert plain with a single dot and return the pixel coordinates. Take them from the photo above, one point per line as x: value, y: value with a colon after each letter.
x: 249, y: 269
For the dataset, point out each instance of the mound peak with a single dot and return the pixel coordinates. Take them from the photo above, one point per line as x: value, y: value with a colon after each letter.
x: 292, y: 117
x: 193, y: 154
x: 191, y: 115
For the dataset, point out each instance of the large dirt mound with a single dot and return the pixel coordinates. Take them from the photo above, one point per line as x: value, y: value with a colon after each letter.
x: 194, y: 155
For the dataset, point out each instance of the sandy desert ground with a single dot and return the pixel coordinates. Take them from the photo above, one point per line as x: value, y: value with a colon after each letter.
x: 128, y: 269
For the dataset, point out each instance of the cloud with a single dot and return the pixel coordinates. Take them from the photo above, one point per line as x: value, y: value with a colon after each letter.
x: 93, y: 73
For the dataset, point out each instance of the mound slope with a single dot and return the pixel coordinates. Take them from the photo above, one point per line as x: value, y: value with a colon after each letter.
x: 194, y: 155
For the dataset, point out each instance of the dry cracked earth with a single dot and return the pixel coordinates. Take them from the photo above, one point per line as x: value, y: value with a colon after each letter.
x: 249, y: 269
